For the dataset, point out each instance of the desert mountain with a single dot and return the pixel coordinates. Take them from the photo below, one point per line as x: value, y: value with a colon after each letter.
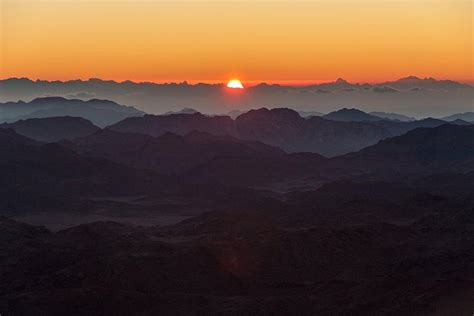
x: 10, y: 139
x: 52, y: 175
x: 99, y: 112
x: 183, y: 111
x: 351, y: 115
x: 396, y: 128
x: 286, y: 129
x: 447, y: 148
x: 181, y: 124
x: 52, y: 129
x: 393, y: 116
x: 468, y: 117
x: 420, y: 152
x: 168, y: 153
x: 412, y: 82
x: 283, y: 128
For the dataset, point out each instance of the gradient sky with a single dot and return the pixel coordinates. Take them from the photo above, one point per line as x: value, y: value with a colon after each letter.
x: 273, y: 41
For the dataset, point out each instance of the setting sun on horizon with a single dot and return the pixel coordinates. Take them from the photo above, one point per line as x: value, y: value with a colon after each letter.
x: 235, y: 84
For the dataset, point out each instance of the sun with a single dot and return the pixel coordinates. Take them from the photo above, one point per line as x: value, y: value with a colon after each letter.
x: 235, y: 84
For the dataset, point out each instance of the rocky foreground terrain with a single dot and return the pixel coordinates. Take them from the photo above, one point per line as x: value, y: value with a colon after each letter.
x: 373, y: 248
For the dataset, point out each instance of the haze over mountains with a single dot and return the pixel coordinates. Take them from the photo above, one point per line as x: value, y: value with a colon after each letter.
x: 410, y: 96
x: 99, y: 112
x: 272, y: 211
x: 335, y: 133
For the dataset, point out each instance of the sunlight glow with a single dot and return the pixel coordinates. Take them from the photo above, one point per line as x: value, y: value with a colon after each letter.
x: 235, y: 84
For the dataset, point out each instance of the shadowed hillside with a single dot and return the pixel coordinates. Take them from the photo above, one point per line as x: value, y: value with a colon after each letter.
x: 52, y: 129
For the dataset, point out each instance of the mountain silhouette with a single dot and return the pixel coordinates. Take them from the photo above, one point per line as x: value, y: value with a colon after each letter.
x: 183, y: 111
x: 422, y: 151
x: 396, y: 128
x: 168, y: 153
x: 468, y: 117
x: 393, y: 116
x: 52, y: 129
x: 99, y: 112
x: 53, y: 175
x: 426, y: 83
x: 283, y: 128
x: 414, y: 97
x: 351, y: 115
x: 157, y: 125
x: 286, y: 129
x: 447, y: 148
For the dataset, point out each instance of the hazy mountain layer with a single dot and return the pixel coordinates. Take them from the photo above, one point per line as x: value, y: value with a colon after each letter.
x: 283, y: 128
x: 411, y: 96
x: 99, y: 112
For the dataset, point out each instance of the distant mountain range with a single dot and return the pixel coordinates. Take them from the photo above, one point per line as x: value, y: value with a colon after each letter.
x: 200, y: 157
x: 351, y: 115
x: 99, y: 112
x: 421, y: 152
x: 347, y: 131
x: 286, y: 129
x: 183, y: 111
x: 447, y: 148
x: 333, y: 134
x: 468, y: 117
x: 283, y: 128
x: 393, y: 116
x: 411, y: 95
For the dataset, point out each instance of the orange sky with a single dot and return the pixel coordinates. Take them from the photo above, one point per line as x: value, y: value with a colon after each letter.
x: 263, y: 40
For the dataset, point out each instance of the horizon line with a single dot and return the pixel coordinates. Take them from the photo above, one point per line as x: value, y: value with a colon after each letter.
x: 248, y: 83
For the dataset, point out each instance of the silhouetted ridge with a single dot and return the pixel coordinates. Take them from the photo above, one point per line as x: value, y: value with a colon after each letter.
x: 286, y: 129
x: 351, y: 115
x: 393, y: 116
x: 99, y: 112
x: 427, y: 83
x: 412, y: 96
x: 181, y: 124
x: 12, y: 143
x: 444, y: 148
x: 53, y: 128
x: 467, y: 116
x: 183, y: 111
x: 169, y: 152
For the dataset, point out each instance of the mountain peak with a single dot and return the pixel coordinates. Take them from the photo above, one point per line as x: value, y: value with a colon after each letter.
x: 183, y: 111
x: 49, y: 99
x: 352, y: 114
x: 409, y: 79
